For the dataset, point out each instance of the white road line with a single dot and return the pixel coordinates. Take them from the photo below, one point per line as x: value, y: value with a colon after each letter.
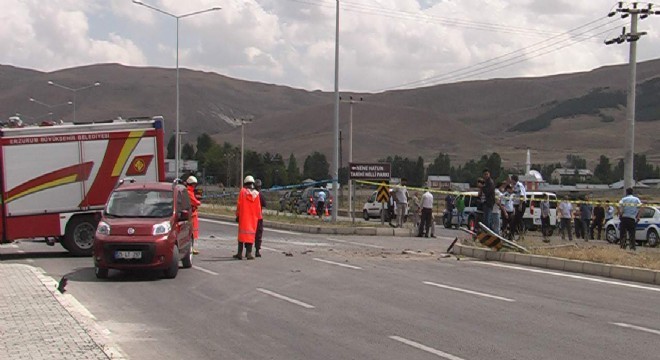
x: 234, y: 224
x: 578, y: 277
x: 20, y: 251
x: 355, y: 243
x: 468, y: 291
x: 205, y: 270
x: 431, y: 350
x: 285, y: 298
x: 635, y: 327
x: 269, y: 248
x: 338, y: 264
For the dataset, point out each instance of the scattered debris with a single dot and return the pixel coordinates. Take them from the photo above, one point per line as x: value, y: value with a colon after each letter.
x: 287, y: 254
x: 62, y: 284
x: 307, y: 252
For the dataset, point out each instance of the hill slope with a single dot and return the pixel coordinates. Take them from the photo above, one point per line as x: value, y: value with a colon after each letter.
x: 579, y: 113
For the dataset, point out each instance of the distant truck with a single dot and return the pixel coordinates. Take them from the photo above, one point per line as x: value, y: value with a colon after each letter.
x: 56, y: 179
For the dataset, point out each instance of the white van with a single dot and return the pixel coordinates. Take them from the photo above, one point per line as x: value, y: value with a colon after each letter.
x: 532, y: 216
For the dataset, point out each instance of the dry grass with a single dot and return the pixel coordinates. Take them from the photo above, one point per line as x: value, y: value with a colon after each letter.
x: 607, y: 254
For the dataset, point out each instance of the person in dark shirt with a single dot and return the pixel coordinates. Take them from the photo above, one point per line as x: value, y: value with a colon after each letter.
x: 599, y: 218
x: 260, y: 223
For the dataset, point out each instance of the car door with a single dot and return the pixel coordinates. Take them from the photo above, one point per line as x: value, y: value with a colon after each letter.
x: 184, y: 227
x: 645, y: 218
x: 373, y: 207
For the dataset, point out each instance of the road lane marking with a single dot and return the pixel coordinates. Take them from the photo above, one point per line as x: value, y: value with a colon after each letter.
x: 431, y: 350
x: 235, y: 224
x: 338, y: 264
x: 20, y: 251
x: 635, y: 327
x: 286, y: 298
x: 269, y: 248
x: 578, y: 277
x: 299, y: 243
x: 205, y: 270
x: 468, y: 291
x: 356, y: 243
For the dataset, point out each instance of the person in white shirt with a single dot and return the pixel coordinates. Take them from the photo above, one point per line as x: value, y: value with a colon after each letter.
x: 401, y: 202
x: 565, y: 213
x: 427, y: 214
x: 520, y: 194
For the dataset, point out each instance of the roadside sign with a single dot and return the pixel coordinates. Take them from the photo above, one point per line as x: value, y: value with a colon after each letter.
x: 383, y: 193
x: 370, y: 171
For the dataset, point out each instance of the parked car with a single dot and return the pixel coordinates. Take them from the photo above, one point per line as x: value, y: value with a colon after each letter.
x: 372, y: 208
x: 144, y: 226
x: 309, y: 195
x: 646, y: 230
x: 289, y: 200
x: 470, y: 213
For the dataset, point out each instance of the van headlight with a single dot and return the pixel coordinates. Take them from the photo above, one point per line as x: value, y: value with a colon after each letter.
x: 162, y: 228
x: 103, y: 228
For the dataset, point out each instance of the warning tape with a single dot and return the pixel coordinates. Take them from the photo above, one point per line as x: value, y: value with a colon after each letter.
x: 448, y: 192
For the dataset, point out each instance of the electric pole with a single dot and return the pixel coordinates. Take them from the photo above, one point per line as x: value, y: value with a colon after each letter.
x: 636, y: 13
x: 351, y: 101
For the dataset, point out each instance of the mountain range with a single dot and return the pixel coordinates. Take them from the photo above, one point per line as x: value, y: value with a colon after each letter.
x: 579, y: 113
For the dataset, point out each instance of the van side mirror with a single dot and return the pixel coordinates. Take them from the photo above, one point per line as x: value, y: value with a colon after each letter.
x: 184, y: 215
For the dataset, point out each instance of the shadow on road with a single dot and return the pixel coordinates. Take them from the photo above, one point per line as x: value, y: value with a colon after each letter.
x: 87, y: 274
x: 35, y: 255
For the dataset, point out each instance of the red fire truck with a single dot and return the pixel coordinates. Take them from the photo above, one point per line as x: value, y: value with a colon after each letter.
x: 56, y: 179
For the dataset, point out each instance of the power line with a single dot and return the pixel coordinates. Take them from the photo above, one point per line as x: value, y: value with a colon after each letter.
x: 523, y: 52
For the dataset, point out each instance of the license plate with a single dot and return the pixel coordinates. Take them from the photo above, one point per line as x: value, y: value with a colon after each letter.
x: 537, y: 221
x: 128, y: 254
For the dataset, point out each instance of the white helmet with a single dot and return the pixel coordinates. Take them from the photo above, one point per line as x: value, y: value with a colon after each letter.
x: 248, y: 180
x: 191, y: 180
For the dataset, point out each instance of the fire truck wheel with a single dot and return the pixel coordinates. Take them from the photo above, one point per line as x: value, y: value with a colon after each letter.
x: 79, y: 236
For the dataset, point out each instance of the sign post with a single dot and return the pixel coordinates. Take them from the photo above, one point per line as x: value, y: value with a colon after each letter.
x: 383, y: 196
x: 370, y: 171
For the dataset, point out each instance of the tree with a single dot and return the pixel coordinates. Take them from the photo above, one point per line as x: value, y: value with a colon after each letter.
x: 494, y: 164
x: 316, y: 167
x: 417, y: 176
x: 440, y: 166
x: 575, y: 162
x: 292, y: 170
x: 187, y: 152
x: 170, y: 147
x: 204, y: 143
x: 603, y: 170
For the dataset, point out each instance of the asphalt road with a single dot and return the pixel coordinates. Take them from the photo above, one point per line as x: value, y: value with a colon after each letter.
x: 357, y: 298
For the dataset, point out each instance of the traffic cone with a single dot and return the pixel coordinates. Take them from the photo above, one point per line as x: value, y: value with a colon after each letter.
x: 326, y: 211
x: 312, y: 210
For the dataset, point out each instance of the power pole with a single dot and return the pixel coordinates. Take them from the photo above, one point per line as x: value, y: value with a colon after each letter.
x: 636, y: 13
x: 351, y: 101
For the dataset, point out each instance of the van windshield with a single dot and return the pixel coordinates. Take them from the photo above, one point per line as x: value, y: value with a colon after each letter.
x: 140, y: 203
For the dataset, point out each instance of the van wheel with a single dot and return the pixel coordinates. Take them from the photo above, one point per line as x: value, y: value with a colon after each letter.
x: 652, y: 238
x: 187, y: 260
x: 101, y: 273
x: 170, y: 272
x: 365, y: 215
x: 79, y: 235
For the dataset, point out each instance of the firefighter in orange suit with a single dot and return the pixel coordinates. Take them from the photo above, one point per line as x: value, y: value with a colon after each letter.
x: 248, y: 212
x: 191, y: 184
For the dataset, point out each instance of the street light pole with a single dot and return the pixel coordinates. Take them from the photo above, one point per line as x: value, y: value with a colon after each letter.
x: 335, y: 154
x: 75, y: 91
x: 177, y: 144
x: 48, y: 105
x: 243, y: 122
x: 350, y: 101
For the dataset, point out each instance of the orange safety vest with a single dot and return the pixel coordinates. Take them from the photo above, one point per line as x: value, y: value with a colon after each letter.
x: 194, y: 216
x: 248, y: 211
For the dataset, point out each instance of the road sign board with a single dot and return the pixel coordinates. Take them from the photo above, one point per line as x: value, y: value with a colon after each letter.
x: 383, y: 193
x: 370, y: 171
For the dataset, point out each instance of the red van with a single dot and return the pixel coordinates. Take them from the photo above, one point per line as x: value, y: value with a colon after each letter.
x: 144, y: 226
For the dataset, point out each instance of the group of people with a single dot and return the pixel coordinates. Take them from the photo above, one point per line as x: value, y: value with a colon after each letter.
x: 587, y: 218
x: 249, y: 216
x: 501, y: 207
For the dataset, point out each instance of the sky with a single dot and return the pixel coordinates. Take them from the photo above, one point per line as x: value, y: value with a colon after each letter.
x: 383, y: 44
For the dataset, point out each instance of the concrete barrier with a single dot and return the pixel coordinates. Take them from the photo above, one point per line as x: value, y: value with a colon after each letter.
x: 626, y: 273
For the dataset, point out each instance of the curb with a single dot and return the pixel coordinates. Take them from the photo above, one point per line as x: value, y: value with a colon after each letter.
x: 619, y: 272
x: 326, y: 230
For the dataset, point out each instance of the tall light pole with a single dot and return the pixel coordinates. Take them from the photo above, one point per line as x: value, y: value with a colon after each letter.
x: 335, y: 153
x: 177, y: 144
x: 350, y: 101
x: 636, y: 13
x: 74, y: 91
x: 236, y: 122
x: 48, y: 105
